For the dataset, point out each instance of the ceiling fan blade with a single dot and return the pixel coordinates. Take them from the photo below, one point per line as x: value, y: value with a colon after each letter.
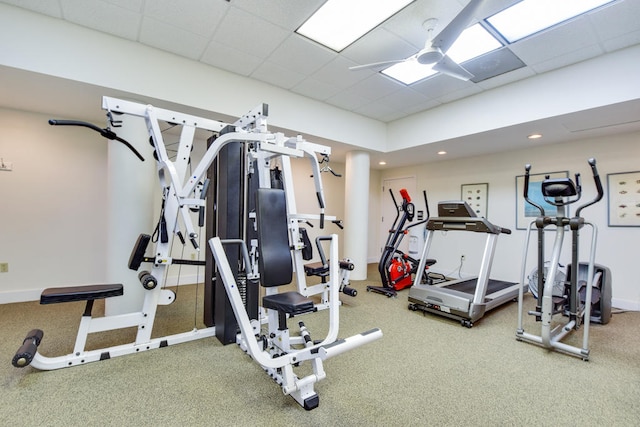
x: 376, y: 65
x: 449, y: 67
x: 451, y: 32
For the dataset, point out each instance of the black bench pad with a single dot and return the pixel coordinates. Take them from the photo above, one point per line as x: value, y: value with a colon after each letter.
x: 80, y: 293
x: 316, y: 269
x: 288, y: 302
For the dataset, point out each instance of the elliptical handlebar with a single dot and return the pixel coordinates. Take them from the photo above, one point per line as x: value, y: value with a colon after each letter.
x: 598, y: 182
x: 527, y: 170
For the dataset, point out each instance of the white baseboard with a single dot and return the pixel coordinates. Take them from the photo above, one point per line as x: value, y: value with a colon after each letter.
x: 9, y: 297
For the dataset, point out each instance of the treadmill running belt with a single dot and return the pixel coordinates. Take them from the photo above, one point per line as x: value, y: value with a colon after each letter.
x: 469, y: 286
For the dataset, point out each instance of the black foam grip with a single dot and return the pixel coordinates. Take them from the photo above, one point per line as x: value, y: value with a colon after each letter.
x: 24, y: 355
x: 137, y: 254
x: 164, y: 236
x: 35, y: 334
x: 349, y: 291
x: 28, y: 350
x: 201, y: 218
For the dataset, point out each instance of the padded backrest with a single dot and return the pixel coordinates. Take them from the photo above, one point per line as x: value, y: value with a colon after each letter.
x: 273, y: 238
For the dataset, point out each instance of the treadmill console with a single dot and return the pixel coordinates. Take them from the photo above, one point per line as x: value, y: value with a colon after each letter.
x: 458, y: 215
x: 455, y: 208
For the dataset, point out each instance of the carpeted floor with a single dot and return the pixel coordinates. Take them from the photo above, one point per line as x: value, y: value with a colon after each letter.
x: 426, y: 370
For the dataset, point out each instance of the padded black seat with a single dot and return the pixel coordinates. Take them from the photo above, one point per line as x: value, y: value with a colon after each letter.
x: 80, y: 293
x: 291, y: 303
x: 316, y: 269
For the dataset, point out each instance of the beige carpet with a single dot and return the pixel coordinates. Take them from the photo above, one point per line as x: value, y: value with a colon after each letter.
x: 426, y: 370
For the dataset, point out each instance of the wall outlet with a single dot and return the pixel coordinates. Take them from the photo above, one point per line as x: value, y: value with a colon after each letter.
x: 4, y: 267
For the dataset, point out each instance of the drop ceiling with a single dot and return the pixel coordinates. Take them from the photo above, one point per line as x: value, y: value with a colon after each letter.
x: 257, y: 39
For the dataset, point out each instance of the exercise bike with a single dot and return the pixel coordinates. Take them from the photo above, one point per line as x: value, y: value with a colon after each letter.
x: 397, y: 269
x: 588, y: 288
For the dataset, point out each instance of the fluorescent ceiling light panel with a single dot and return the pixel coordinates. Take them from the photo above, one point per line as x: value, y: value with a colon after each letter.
x: 409, y: 72
x: 473, y: 42
x: 531, y: 16
x: 338, y: 23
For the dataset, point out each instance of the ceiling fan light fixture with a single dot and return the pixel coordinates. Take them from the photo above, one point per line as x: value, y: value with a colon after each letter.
x: 429, y: 55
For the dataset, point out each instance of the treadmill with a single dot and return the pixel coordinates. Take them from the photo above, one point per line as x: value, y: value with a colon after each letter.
x: 465, y: 300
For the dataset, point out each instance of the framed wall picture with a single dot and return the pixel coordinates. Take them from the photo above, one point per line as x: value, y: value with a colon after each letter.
x: 623, y: 197
x: 476, y: 196
x: 525, y: 212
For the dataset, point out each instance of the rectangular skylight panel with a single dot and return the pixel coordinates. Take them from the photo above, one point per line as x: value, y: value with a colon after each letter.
x: 531, y: 16
x: 338, y: 23
x: 409, y: 72
x: 473, y: 42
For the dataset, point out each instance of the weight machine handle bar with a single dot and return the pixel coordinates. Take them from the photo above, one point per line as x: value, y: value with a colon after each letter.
x: 106, y: 133
x: 596, y: 179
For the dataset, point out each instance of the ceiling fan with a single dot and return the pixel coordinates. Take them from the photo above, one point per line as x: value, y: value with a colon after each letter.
x: 436, y: 47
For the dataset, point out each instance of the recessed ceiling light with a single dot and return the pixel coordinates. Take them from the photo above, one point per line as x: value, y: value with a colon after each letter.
x: 338, y: 23
x: 535, y: 136
x: 442, y: 152
x: 382, y: 163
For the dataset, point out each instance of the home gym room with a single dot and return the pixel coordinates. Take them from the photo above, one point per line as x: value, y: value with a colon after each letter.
x: 75, y: 201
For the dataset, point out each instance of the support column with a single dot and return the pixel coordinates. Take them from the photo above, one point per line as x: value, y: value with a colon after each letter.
x: 357, y: 212
x: 131, y: 186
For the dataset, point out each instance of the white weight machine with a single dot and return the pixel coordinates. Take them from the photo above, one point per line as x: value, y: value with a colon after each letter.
x: 183, y: 184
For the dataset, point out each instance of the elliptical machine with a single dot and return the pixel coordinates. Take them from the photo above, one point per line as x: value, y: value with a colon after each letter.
x: 584, y: 279
x: 396, y: 268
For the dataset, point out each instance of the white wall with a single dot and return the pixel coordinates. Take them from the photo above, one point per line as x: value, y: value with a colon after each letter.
x: 442, y: 181
x: 53, y: 224
x: 53, y: 206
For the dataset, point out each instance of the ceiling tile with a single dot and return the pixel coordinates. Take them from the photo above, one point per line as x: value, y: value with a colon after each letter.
x: 379, y: 45
x: 626, y: 40
x: 249, y: 33
x: 51, y: 8
x: 616, y: 19
x: 375, y: 87
x: 405, y: 100
x: 316, y: 89
x: 301, y: 55
x: 348, y: 100
x: 380, y: 111
x: 104, y: 17
x: 503, y: 79
x: 133, y: 5
x: 175, y: 40
x: 567, y: 59
x: 285, y: 13
x: 337, y: 73
x: 277, y: 74
x: 225, y: 57
x: 493, y: 64
x: 464, y: 92
x: 196, y: 16
x: 555, y: 42
x: 438, y: 85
